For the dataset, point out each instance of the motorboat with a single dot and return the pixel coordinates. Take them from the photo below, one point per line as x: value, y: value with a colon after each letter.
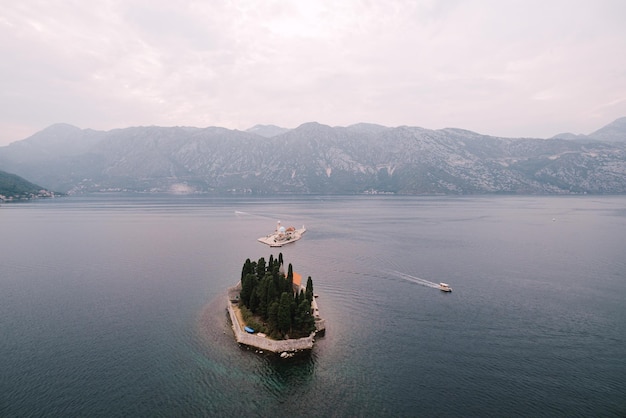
x: 444, y: 287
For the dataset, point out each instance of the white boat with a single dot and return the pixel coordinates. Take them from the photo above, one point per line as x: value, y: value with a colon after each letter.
x: 282, y: 236
x: 444, y: 287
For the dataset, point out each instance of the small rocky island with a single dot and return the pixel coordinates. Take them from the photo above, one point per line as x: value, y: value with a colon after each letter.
x: 274, y: 311
x: 282, y: 235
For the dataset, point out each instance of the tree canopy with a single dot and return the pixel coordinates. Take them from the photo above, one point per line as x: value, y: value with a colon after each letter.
x: 280, y: 308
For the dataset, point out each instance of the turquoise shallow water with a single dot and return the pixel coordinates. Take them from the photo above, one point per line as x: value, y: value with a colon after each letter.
x: 112, y: 305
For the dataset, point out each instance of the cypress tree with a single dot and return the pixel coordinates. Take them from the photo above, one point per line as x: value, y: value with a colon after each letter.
x: 260, y: 268
x: 277, y: 281
x: 294, y: 310
x: 309, y: 289
x: 262, y: 293
x: 272, y: 292
x: 272, y: 315
x: 297, y: 320
x: 297, y: 298
x: 254, y: 300
x: 284, y: 313
x: 308, y: 322
x: 289, y: 287
x: 303, y: 311
x: 247, y: 268
x: 246, y: 289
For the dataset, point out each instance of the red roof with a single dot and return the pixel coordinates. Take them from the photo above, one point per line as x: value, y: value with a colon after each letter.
x: 297, y: 279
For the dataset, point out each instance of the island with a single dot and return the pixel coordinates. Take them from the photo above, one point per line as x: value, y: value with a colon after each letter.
x: 273, y: 311
x: 282, y: 235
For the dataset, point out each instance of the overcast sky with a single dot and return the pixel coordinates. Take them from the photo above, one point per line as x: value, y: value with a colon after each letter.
x: 507, y: 68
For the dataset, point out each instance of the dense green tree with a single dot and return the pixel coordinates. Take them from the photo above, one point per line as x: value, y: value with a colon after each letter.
x: 292, y: 310
x: 308, y: 321
x: 272, y: 315
x: 269, y: 295
x: 303, y: 310
x: 260, y: 268
x: 254, y: 300
x: 284, y: 313
x: 277, y: 279
x: 247, y: 268
x: 247, y: 286
x: 261, y: 292
x: 289, y: 286
x: 272, y: 291
x: 309, y: 289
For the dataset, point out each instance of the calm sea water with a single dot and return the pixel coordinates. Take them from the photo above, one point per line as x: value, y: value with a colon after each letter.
x: 114, y: 305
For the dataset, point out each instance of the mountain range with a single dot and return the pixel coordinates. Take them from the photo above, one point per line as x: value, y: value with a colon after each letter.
x: 318, y: 159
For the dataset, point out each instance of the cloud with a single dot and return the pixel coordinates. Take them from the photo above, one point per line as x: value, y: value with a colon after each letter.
x: 519, y: 68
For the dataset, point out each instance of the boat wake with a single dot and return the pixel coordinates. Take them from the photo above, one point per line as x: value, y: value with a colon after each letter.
x: 413, y: 279
x: 239, y: 213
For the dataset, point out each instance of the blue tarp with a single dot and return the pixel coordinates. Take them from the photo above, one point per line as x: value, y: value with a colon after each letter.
x: 249, y: 330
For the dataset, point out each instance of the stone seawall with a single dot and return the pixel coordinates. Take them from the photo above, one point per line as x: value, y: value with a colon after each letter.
x: 320, y: 323
x: 265, y: 343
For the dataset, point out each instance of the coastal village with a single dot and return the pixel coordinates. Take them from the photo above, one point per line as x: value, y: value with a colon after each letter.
x: 13, y: 197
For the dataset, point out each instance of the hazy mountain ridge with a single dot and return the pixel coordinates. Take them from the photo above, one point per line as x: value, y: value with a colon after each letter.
x: 267, y: 131
x: 315, y: 158
x: 613, y: 132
